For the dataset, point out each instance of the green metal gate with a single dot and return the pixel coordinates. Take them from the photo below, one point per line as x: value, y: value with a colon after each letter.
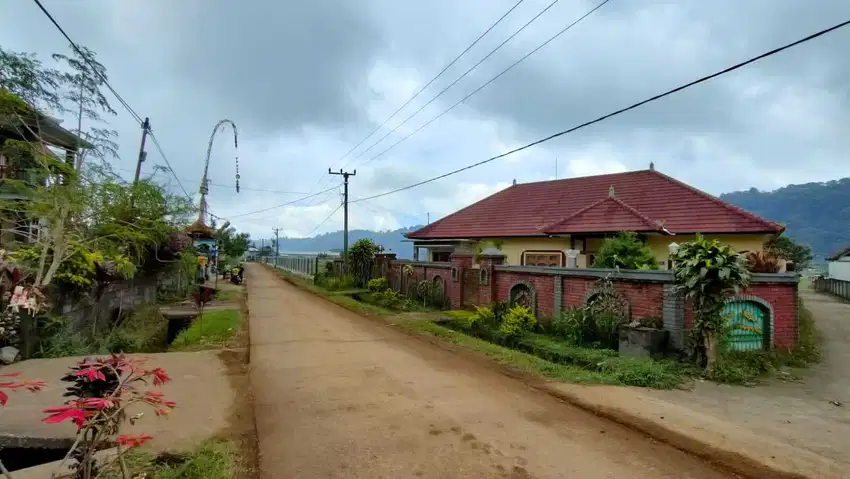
x: 748, y: 324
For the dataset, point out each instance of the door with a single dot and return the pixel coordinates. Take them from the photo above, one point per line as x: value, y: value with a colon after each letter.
x: 470, y: 287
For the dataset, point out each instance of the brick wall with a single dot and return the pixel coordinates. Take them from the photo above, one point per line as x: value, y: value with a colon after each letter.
x: 648, y: 293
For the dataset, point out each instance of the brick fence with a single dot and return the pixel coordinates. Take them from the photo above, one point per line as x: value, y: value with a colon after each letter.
x: 648, y: 293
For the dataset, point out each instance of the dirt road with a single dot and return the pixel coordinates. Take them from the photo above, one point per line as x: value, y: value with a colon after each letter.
x: 337, y: 395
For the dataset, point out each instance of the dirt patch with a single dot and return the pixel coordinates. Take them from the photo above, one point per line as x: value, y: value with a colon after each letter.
x: 242, y: 427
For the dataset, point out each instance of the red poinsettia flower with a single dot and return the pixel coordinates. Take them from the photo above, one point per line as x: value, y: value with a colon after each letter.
x: 91, y: 373
x: 71, y: 411
x: 132, y: 440
x: 4, y: 398
x: 10, y: 375
x: 160, y: 377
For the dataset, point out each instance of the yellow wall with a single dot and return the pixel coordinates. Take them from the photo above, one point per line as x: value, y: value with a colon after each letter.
x: 513, y: 247
x: 741, y: 242
x: 658, y: 244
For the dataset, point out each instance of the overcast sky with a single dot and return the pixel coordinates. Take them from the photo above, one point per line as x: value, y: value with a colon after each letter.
x: 307, y: 80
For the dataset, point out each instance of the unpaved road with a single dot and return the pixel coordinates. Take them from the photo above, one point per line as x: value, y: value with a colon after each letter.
x: 337, y: 395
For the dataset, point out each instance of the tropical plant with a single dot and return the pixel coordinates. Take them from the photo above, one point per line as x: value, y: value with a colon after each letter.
x: 625, y: 251
x: 762, y: 262
x: 708, y: 273
x: 361, y: 256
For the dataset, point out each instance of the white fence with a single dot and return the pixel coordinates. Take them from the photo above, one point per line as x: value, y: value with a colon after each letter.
x: 306, y: 265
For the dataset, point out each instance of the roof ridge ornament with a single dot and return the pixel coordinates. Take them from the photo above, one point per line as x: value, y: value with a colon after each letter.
x: 611, y: 191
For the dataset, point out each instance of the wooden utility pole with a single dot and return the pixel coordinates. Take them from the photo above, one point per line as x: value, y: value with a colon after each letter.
x: 345, y: 176
x: 146, y: 128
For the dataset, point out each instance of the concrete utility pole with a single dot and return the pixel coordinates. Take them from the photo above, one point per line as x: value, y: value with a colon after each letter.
x: 276, y: 243
x: 345, y: 176
x: 146, y: 128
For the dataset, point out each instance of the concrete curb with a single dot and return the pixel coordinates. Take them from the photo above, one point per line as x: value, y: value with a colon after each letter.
x: 757, y: 457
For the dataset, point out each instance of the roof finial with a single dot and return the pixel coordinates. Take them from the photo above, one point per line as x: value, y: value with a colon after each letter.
x: 651, y: 166
x: 611, y: 190
x: 514, y: 180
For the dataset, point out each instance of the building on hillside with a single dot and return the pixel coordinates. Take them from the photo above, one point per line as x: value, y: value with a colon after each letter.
x: 839, y: 264
x: 543, y: 223
x: 54, y: 140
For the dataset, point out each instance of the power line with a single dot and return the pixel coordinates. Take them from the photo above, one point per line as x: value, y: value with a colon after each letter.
x: 415, y: 95
x: 324, y: 220
x: 85, y: 58
x: 167, y: 163
x: 539, y: 14
x: 284, y: 204
x: 223, y: 185
x: 121, y: 100
x: 615, y: 113
x: 509, y: 68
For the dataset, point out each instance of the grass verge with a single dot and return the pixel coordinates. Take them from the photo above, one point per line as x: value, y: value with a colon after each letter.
x: 212, y: 330
x: 228, y: 294
x: 341, y: 298
x: 213, y: 459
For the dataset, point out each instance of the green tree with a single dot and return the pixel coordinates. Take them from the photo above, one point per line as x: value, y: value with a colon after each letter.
x: 360, y: 258
x: 708, y: 273
x: 785, y: 248
x: 625, y: 251
x: 233, y: 244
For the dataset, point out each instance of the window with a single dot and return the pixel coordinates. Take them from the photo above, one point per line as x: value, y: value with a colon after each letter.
x: 551, y: 259
x: 591, y: 258
x: 441, y: 256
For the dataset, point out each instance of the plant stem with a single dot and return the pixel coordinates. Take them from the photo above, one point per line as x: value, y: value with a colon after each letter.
x: 5, y: 471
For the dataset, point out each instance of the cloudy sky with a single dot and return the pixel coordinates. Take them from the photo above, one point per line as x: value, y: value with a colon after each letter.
x: 305, y: 81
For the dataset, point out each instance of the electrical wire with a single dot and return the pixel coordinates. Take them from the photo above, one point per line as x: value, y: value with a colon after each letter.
x: 617, y: 112
x: 284, y: 204
x: 509, y: 68
x: 324, y: 220
x: 467, y: 72
x: 419, y: 92
x: 415, y: 95
x: 167, y: 163
x: 87, y: 60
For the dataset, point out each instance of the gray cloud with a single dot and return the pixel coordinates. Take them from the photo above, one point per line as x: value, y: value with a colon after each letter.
x: 306, y: 80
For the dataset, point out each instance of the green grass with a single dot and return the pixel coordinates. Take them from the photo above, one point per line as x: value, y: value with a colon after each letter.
x: 605, y: 363
x: 338, y: 297
x: 214, y: 459
x: 518, y: 360
x: 228, y: 294
x: 213, y: 329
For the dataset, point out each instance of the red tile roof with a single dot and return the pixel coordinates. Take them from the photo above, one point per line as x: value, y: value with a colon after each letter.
x: 642, y: 201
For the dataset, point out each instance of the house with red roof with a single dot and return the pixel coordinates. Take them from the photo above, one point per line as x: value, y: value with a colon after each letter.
x: 546, y: 223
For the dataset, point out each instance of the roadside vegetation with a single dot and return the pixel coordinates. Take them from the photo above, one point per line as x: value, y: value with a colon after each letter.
x: 212, y: 329
x: 213, y: 459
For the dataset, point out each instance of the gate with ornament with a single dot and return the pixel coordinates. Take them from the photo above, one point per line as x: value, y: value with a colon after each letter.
x: 748, y: 324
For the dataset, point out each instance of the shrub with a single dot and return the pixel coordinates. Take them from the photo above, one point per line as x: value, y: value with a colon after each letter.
x: 517, y: 320
x: 572, y: 326
x: 625, y: 251
x: 762, y: 262
x: 378, y: 284
x: 483, y: 317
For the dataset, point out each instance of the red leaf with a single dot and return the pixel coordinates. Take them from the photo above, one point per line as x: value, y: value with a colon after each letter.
x: 11, y: 375
x: 3, y: 398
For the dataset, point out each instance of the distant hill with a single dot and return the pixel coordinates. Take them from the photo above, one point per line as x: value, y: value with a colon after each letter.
x: 817, y: 214
x: 390, y: 240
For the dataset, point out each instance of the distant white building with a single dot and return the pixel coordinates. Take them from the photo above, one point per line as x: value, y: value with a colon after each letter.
x: 839, y: 264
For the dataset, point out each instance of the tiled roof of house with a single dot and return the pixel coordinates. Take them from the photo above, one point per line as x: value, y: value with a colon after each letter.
x: 640, y: 201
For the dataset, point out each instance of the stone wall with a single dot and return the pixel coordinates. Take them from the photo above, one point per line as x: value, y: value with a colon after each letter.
x: 117, y: 299
x: 648, y: 293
